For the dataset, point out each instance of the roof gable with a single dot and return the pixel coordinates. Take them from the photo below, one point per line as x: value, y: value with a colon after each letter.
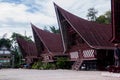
x: 39, y: 44
x: 27, y: 48
x: 94, y: 34
x: 51, y: 41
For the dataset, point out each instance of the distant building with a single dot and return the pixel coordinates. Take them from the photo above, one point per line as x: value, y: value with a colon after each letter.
x: 5, y: 57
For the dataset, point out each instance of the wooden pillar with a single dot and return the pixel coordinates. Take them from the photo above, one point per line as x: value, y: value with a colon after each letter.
x: 115, y: 8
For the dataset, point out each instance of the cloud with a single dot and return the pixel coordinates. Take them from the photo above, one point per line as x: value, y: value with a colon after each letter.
x: 80, y: 7
x: 16, y: 15
x: 10, y: 30
x: 12, y: 12
x: 11, y: 1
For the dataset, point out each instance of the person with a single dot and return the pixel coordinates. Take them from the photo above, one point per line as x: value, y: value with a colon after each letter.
x: 117, y: 55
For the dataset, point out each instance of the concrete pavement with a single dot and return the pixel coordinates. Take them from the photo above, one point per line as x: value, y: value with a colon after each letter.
x: 28, y: 74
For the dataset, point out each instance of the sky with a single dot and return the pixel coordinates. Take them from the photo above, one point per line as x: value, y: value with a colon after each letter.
x: 16, y: 15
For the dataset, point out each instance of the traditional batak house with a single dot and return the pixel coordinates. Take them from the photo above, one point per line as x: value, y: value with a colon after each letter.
x: 28, y: 50
x: 85, y: 41
x: 49, y: 45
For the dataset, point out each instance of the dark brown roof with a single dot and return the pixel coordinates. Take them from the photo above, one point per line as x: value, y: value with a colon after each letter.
x: 51, y: 41
x: 27, y: 48
x: 94, y: 34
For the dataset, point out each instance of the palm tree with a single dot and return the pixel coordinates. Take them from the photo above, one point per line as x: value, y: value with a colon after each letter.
x: 54, y: 29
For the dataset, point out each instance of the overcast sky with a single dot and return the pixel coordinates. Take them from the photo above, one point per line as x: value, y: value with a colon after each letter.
x: 16, y: 15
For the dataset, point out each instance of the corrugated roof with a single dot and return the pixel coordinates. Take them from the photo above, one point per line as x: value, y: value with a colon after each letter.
x: 51, y: 41
x: 94, y: 34
x: 27, y: 48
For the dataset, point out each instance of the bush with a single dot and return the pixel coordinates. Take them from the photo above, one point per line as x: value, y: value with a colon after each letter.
x: 48, y: 66
x: 43, y: 66
x: 63, y: 63
x: 37, y: 65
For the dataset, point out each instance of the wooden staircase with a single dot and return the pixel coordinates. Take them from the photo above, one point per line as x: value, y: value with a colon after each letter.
x: 77, y: 64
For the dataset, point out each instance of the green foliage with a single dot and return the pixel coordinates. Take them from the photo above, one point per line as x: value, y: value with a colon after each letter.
x: 43, y: 66
x: 54, y: 30
x: 5, y: 42
x: 15, y: 35
x: 37, y: 65
x: 15, y: 49
x: 106, y: 18
x: 17, y: 58
x: 101, y: 19
x: 48, y: 66
x: 63, y: 63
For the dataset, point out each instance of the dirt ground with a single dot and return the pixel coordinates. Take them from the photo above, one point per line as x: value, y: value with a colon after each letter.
x: 28, y: 74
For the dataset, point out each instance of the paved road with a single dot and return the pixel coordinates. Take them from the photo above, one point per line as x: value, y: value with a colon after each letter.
x: 26, y: 74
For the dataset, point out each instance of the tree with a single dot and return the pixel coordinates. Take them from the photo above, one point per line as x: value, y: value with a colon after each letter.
x: 54, y: 30
x: 5, y: 42
x: 15, y: 48
x: 92, y: 14
x: 101, y: 19
x: 15, y: 35
x: 106, y: 18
